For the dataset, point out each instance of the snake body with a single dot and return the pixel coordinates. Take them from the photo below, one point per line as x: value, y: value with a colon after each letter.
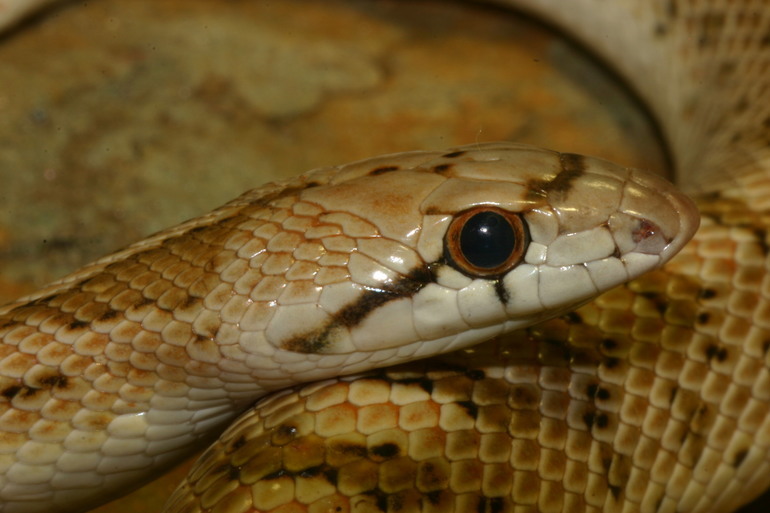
x: 653, y: 398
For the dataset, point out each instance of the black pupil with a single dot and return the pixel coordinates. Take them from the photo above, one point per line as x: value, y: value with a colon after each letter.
x: 487, y: 240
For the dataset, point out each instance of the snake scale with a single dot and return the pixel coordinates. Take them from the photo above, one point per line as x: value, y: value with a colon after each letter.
x: 654, y: 397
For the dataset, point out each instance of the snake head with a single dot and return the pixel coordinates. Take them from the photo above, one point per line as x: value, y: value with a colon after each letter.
x: 424, y: 253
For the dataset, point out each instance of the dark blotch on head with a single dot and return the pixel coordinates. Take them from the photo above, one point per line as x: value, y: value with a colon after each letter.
x: 406, y: 286
x: 501, y: 291
x: 707, y: 293
x: 572, y: 167
x: 355, y: 312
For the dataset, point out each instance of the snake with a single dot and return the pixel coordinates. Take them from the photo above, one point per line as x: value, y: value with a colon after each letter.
x: 652, y: 397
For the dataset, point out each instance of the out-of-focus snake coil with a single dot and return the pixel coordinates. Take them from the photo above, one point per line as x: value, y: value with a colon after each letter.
x: 655, y: 397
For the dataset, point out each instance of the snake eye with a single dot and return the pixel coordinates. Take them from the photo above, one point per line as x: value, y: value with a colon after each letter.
x: 485, y: 242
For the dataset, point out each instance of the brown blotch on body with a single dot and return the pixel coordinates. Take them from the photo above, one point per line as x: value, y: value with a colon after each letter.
x: 385, y: 451
x: 596, y: 420
x: 238, y: 443
x: 107, y: 315
x: 714, y: 352
x: 454, y: 154
x: 77, y: 325
x: 8, y: 323
x: 11, y: 391
x: 283, y: 434
x: 383, y: 170
x: 424, y: 383
x: 476, y: 374
x: 55, y: 381
x: 740, y: 456
x: 597, y: 392
x: 573, y: 318
x: 470, y: 408
x: 346, y: 450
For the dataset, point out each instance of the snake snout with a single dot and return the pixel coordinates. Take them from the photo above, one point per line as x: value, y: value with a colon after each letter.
x: 665, y: 218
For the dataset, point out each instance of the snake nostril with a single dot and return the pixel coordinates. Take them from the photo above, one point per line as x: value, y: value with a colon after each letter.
x: 645, y: 230
x: 648, y: 237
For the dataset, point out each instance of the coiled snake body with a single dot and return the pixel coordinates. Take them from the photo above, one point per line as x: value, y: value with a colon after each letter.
x: 655, y: 397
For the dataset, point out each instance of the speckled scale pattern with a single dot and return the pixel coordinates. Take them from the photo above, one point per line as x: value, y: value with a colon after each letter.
x: 123, y: 365
x: 654, y: 398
